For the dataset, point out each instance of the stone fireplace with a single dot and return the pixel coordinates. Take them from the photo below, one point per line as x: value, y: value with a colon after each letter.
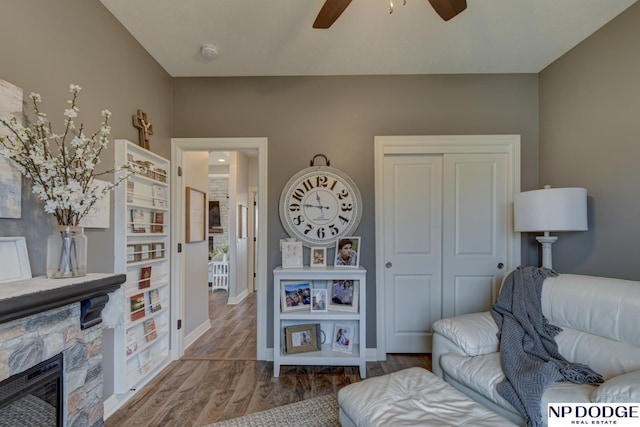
x: 44, y: 318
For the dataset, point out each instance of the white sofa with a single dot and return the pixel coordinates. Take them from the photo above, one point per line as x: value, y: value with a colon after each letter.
x: 600, y: 318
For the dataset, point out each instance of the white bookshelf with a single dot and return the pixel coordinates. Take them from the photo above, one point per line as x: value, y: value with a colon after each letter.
x: 321, y: 278
x: 142, y: 245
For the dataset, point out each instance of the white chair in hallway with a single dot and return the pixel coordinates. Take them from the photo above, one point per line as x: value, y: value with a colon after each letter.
x: 219, y: 275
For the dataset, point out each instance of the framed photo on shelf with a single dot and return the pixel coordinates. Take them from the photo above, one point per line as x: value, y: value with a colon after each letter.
x: 295, y: 297
x: 347, y: 252
x: 195, y: 215
x: 344, y: 296
x: 302, y: 338
x: 318, y: 257
x: 342, y: 338
x: 291, y: 254
x: 319, y: 300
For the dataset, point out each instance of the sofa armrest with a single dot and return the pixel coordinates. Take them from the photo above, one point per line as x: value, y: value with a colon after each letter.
x: 623, y: 388
x: 466, y: 335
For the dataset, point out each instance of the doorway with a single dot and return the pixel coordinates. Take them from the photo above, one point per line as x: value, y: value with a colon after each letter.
x: 444, y: 232
x: 179, y: 147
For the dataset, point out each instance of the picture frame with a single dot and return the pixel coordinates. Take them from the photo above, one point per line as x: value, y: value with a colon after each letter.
x: 291, y: 254
x: 319, y: 300
x: 295, y: 296
x: 10, y: 176
x: 214, y: 215
x: 318, y: 257
x: 157, y: 250
x: 342, y: 339
x: 302, y: 338
x: 344, y: 296
x: 195, y: 215
x: 15, y: 259
x: 347, y: 252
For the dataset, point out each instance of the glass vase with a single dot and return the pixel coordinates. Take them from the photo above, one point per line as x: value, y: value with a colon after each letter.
x: 66, y: 252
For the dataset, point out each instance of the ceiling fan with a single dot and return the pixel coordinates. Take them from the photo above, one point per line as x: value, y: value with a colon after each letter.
x: 332, y: 9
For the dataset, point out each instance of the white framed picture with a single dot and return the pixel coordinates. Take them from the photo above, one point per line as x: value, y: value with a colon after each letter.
x: 344, y: 296
x: 319, y: 300
x: 347, y: 252
x: 342, y: 338
x: 15, y: 259
x: 291, y: 254
x: 318, y: 257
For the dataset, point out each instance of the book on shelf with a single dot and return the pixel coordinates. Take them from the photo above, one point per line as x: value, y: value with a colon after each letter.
x: 145, y: 360
x: 132, y: 343
x: 137, y: 306
x: 154, y: 300
x: 145, y: 277
x: 159, y: 196
x: 137, y: 221
x: 130, y: 185
x: 150, y: 330
x: 158, y: 222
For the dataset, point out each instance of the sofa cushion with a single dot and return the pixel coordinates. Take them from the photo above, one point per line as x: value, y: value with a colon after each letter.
x: 474, y: 333
x: 483, y: 373
x: 621, y: 389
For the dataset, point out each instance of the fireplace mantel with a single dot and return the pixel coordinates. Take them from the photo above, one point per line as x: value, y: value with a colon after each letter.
x: 23, y: 298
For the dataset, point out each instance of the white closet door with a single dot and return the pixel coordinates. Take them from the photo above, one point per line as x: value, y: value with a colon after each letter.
x: 474, y: 231
x: 412, y: 236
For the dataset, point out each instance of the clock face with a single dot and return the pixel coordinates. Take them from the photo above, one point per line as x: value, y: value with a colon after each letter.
x: 320, y: 204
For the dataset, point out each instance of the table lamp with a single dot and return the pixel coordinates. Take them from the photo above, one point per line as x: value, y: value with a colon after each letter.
x: 550, y: 209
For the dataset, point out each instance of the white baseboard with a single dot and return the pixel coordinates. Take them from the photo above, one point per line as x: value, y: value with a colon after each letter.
x: 196, y: 333
x: 239, y: 298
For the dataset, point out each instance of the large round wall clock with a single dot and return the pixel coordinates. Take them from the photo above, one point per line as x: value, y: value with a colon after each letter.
x: 320, y: 204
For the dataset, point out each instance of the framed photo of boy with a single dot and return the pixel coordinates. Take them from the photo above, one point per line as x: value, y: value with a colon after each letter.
x: 319, y: 300
x: 344, y: 296
x: 347, y: 252
x: 342, y: 338
x: 318, y: 257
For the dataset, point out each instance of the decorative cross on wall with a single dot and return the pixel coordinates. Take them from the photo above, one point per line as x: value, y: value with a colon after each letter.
x: 145, y: 129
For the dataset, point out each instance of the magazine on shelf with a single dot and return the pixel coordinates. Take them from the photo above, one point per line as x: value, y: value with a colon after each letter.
x: 137, y: 306
x: 145, y: 277
x: 145, y: 360
x: 130, y: 186
x: 158, y: 222
x: 154, y: 300
x: 132, y: 343
x: 150, y: 330
x: 137, y: 221
x: 159, y: 196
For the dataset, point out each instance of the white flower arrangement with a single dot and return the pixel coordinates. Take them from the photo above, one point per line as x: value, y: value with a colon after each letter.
x: 60, y: 166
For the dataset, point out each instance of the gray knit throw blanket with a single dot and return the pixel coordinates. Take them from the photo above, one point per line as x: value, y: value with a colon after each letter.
x: 529, y: 352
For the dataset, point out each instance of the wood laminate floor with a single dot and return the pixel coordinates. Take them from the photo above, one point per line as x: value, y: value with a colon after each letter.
x: 219, y: 377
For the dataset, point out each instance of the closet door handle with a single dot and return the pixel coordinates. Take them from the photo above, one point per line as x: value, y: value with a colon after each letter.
x: 388, y: 265
x: 500, y: 266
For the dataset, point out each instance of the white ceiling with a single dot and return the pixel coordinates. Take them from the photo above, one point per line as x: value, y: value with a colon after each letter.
x: 275, y: 37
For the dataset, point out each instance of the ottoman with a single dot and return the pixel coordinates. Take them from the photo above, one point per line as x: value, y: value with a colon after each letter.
x: 411, y: 397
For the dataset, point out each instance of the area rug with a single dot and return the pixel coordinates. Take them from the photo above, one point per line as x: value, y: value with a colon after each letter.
x: 317, y: 412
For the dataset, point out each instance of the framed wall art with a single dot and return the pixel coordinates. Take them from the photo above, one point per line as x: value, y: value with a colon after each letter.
x: 10, y: 177
x: 195, y: 215
x: 318, y: 257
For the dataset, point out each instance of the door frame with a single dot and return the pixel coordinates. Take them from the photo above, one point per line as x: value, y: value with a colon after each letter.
x: 178, y: 146
x: 438, y: 144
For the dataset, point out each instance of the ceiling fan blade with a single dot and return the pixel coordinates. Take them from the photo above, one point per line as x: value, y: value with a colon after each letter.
x: 447, y: 9
x: 330, y: 11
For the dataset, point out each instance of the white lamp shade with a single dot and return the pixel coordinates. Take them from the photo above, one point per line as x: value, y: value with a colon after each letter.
x: 551, y: 209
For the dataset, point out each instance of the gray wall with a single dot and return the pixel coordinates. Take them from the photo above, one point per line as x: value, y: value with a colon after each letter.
x: 46, y: 45
x: 339, y: 117
x: 590, y: 137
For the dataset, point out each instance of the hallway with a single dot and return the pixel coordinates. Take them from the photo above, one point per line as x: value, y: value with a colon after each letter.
x: 233, y: 331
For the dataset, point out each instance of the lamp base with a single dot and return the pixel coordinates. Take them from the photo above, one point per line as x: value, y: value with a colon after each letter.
x: 546, y: 241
